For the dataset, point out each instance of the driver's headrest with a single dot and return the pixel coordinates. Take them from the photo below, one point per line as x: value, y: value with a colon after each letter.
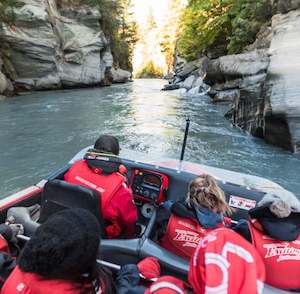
x: 104, y: 163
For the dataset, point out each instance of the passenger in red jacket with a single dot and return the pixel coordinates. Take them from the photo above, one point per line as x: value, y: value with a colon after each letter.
x: 202, y: 211
x: 61, y: 258
x: 7, y: 261
x: 117, y: 206
x: 274, y: 230
x: 226, y: 263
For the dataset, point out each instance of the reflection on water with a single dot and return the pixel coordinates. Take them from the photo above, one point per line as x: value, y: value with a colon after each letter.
x: 41, y: 131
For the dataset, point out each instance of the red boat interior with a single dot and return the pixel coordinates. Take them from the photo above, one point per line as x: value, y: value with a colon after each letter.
x: 151, y: 186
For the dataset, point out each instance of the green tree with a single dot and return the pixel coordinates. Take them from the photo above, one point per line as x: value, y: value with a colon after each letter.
x: 227, y: 24
x: 170, y: 31
x: 204, y: 24
x: 118, y: 26
x: 247, y: 18
x: 150, y: 71
x: 6, y: 11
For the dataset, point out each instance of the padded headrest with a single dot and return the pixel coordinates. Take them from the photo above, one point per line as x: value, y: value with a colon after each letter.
x: 107, y: 163
x: 58, y: 195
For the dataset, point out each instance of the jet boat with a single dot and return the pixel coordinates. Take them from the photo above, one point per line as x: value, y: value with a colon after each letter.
x: 152, y: 182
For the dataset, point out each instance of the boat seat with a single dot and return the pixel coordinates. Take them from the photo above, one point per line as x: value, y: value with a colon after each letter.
x: 59, y: 195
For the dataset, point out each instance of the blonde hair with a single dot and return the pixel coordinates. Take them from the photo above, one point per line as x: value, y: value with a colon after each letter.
x: 204, y: 191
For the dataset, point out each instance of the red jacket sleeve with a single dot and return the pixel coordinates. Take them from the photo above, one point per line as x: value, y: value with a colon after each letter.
x: 127, y: 210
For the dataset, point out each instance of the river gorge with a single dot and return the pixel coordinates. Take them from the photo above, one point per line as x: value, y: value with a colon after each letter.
x: 41, y: 131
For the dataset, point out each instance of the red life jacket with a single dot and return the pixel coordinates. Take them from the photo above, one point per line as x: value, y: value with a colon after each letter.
x: 167, y: 285
x: 281, y: 258
x: 224, y: 262
x: 3, y: 245
x: 108, y: 185
x: 183, y: 235
x: 28, y: 283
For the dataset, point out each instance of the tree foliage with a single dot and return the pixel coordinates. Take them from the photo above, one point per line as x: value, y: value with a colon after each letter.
x: 170, y: 31
x: 6, y: 11
x: 229, y: 24
x: 150, y: 71
x: 118, y: 26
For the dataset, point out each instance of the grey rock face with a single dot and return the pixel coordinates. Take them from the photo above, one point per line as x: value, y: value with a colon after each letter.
x: 188, y: 82
x: 50, y: 49
x: 199, y: 65
x: 239, y: 65
x: 226, y: 96
x: 282, y: 109
x: 269, y: 104
x: 284, y: 6
x: 263, y: 38
x: 6, y: 87
x: 239, y: 79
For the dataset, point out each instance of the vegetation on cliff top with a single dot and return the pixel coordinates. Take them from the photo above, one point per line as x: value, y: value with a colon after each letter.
x: 6, y: 11
x: 119, y: 28
x: 117, y: 25
x: 221, y: 26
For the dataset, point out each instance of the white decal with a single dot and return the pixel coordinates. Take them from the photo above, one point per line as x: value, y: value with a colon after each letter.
x: 20, y: 287
x: 241, y: 203
x: 283, y: 251
x: 89, y: 184
x: 190, y: 238
x: 222, y: 262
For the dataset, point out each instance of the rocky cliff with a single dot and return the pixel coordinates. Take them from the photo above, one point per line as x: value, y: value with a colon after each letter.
x: 6, y: 86
x: 262, y: 85
x: 50, y: 47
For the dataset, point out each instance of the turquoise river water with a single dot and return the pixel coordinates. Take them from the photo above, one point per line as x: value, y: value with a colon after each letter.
x: 41, y: 131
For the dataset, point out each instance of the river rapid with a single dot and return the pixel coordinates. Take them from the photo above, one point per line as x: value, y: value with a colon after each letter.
x: 41, y: 131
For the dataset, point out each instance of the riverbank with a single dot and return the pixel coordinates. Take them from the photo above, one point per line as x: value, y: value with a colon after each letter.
x: 48, y: 47
x: 261, y: 85
x: 41, y: 131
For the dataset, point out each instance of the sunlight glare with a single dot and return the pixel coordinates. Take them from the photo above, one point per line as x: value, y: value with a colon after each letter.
x: 148, y: 47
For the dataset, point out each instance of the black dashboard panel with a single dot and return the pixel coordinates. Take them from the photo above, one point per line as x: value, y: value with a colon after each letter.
x: 149, y: 186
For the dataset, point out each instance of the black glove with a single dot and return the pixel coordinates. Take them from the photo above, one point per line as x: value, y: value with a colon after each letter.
x: 6, y: 232
x: 10, y: 232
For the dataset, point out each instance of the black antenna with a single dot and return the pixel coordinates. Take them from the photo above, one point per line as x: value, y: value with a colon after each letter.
x: 187, y: 126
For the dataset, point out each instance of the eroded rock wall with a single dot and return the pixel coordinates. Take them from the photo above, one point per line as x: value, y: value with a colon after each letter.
x: 282, y: 95
x: 6, y: 86
x: 49, y: 48
x: 239, y: 79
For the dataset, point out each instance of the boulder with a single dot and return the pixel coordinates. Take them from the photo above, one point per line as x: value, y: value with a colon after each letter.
x: 198, y: 82
x: 120, y: 76
x: 188, y: 82
x: 235, y: 66
x: 263, y: 38
x: 3, y: 83
x: 200, y: 65
x: 170, y: 87
x: 284, y: 6
x: 226, y: 96
x: 6, y: 86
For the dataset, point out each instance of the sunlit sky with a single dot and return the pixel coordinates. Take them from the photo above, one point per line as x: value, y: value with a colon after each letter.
x: 141, y: 10
x: 148, y: 47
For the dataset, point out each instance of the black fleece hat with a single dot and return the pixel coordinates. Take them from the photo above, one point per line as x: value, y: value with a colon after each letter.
x: 108, y: 144
x: 65, y: 245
